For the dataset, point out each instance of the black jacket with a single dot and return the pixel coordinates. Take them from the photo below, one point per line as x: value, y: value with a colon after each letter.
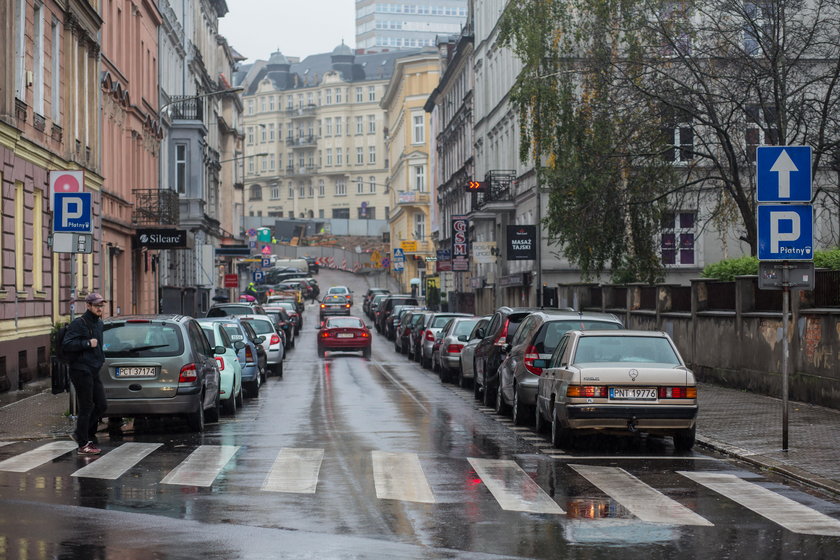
x: 77, y: 340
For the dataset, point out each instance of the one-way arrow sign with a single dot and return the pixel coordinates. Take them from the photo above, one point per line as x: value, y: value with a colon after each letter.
x: 783, y: 174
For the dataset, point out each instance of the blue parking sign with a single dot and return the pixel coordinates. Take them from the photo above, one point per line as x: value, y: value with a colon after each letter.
x: 73, y: 212
x: 259, y: 276
x: 785, y: 232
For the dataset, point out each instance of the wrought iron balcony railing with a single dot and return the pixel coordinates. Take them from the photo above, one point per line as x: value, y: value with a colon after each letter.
x: 155, y: 207
x: 186, y: 109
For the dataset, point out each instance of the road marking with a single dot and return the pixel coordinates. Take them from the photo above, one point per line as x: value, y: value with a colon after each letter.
x: 115, y: 463
x: 399, y: 476
x: 295, y: 471
x: 4, y: 443
x: 635, y: 458
x: 512, y: 487
x: 640, y: 499
x: 202, y: 466
x: 37, y: 457
x: 788, y: 513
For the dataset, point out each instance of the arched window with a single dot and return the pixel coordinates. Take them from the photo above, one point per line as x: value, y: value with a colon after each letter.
x: 256, y: 192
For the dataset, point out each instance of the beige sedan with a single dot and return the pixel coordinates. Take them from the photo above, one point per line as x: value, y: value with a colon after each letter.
x: 619, y: 382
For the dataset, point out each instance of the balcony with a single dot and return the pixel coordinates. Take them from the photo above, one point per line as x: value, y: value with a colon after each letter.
x: 302, y: 141
x: 301, y: 112
x: 301, y: 171
x: 413, y: 198
x: 499, y: 196
x: 186, y: 109
x: 155, y: 207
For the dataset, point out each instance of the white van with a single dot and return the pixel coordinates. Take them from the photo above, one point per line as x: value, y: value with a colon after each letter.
x: 299, y: 264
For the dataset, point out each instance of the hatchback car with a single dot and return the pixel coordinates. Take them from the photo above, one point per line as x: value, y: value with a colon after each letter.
x: 341, y: 291
x: 536, y: 338
x: 160, y: 365
x: 434, y: 323
x: 283, y: 323
x: 230, y: 370
x: 369, y: 298
x: 373, y: 307
x: 252, y: 358
x: 453, y: 337
x: 619, y: 382
x: 418, y: 323
x: 344, y: 334
x: 272, y: 341
x: 291, y: 309
x: 396, y: 315
x: 402, y: 333
x: 334, y: 304
x: 466, y: 372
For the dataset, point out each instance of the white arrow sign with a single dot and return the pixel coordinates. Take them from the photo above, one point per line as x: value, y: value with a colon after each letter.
x: 784, y: 166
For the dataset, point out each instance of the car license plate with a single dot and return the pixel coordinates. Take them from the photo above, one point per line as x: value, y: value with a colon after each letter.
x: 344, y: 335
x: 633, y: 394
x: 136, y: 371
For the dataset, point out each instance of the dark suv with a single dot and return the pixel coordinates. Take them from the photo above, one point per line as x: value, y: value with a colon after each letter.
x: 387, y: 306
x: 489, y: 354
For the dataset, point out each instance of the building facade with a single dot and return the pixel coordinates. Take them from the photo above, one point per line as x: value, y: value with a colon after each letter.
x: 314, y: 136
x: 49, y: 120
x: 407, y: 144
x: 387, y: 25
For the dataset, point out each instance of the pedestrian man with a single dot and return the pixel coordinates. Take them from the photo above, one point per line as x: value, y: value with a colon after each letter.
x: 84, y: 343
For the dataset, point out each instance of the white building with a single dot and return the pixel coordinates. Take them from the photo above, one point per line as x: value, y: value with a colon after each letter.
x: 383, y: 25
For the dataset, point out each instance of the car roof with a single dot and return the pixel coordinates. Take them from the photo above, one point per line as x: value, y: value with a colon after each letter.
x: 159, y: 317
x: 557, y: 315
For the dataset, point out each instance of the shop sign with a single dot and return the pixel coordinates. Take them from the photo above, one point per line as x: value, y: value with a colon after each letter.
x: 483, y: 252
x: 460, y: 244
x: 515, y: 280
x: 522, y: 243
x: 162, y: 238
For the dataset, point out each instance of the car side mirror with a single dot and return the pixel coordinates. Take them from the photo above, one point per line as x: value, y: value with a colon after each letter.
x: 462, y: 338
x: 238, y: 345
x: 219, y: 350
x: 479, y: 333
x: 540, y: 363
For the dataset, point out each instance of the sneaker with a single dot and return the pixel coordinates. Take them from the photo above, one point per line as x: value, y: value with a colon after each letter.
x: 89, y: 449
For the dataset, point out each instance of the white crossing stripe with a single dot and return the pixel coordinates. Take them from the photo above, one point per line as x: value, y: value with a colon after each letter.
x: 37, y: 457
x: 295, y: 471
x: 512, y: 487
x: 788, y: 513
x: 4, y: 443
x: 115, y: 463
x: 202, y: 466
x: 399, y: 476
x: 640, y: 499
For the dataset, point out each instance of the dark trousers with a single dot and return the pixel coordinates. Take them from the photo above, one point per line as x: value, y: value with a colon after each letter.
x: 90, y: 393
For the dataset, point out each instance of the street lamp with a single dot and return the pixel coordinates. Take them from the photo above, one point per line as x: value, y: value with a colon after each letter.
x: 261, y: 154
x: 237, y: 89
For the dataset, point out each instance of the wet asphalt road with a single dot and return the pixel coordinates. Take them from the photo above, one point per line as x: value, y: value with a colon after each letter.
x: 350, y: 458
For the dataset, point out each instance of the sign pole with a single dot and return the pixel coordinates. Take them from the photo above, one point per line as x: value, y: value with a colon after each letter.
x: 785, y: 354
x: 73, y: 409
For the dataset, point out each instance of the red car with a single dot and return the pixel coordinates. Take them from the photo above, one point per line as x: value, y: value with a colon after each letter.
x: 344, y: 334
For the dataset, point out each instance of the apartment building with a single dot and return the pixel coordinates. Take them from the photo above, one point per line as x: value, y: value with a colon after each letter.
x: 388, y: 25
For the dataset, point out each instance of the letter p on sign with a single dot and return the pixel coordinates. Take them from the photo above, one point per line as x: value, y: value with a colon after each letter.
x: 791, y: 220
x: 72, y: 208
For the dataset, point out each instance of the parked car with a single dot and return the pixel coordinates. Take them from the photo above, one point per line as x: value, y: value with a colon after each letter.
x: 341, y: 291
x: 344, y: 334
x: 402, y: 333
x: 291, y: 309
x: 312, y: 264
x: 160, y: 365
x: 373, y: 307
x: 252, y: 357
x: 396, y: 315
x: 369, y: 298
x: 230, y: 370
x: 453, y: 336
x: 488, y: 354
x: 387, y: 305
x: 418, y: 323
x: 618, y: 382
x: 272, y: 341
x: 231, y: 309
x: 434, y: 323
x: 465, y: 371
x: 334, y: 304
x: 283, y: 323
x: 536, y: 338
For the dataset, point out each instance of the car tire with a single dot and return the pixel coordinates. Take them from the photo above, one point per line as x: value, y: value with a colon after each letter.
x: 443, y: 374
x: 229, y: 406
x: 520, y: 412
x: 502, y: 408
x: 195, y: 420
x: 292, y: 343
x: 366, y: 353
x: 212, y: 414
x: 253, y: 388
x: 263, y: 374
x: 462, y: 381
x: 240, y: 397
x: 539, y: 421
x: 277, y: 369
x: 488, y: 397
x: 560, y: 436
x: 684, y: 439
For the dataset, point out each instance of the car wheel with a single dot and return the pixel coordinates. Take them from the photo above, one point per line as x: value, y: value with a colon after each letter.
x: 462, y: 381
x: 366, y: 353
x: 442, y: 374
x: 502, y: 407
x: 253, y: 388
x: 488, y: 397
x: 539, y: 421
x: 229, y: 406
x: 560, y: 436
x: 520, y: 412
x: 195, y: 420
x: 240, y: 397
x: 263, y: 374
x: 212, y: 413
x: 292, y: 344
x: 684, y: 439
x: 277, y: 369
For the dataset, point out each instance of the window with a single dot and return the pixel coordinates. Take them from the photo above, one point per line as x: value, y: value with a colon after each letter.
x: 366, y: 212
x: 311, y: 190
x: 371, y: 124
x: 251, y: 166
x: 250, y: 135
x: 338, y: 126
x: 328, y: 97
x: 360, y: 96
x: 181, y: 168
x: 263, y: 134
x: 255, y: 193
x: 372, y: 185
x: 262, y: 105
x: 678, y: 242
x: 302, y: 191
x: 321, y: 189
x: 271, y: 162
x: 56, y: 71
x: 271, y: 103
x: 360, y: 185
x: 360, y: 155
x: 762, y: 128
x: 371, y: 93
x: 328, y: 126
x: 320, y: 213
x: 250, y: 106
x: 339, y: 156
x: 38, y: 60
x: 419, y: 177
x: 290, y: 103
x: 329, y: 157
x: 338, y: 95
x: 341, y: 189
x: 418, y: 129
x: 757, y: 26
x: 291, y: 192
x: 275, y: 192
x: 371, y: 154
x: 271, y: 136
x: 419, y: 226
x: 678, y: 135
x: 360, y: 125
x: 341, y: 213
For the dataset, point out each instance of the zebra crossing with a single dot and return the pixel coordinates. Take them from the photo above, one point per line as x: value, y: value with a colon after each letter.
x: 400, y: 476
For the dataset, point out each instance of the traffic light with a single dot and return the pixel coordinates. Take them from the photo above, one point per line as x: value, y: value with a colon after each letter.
x: 476, y: 186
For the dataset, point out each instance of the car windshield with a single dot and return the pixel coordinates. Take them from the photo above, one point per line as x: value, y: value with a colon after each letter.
x: 549, y: 336
x: 261, y: 326
x: 440, y: 322
x: 345, y: 322
x: 337, y: 291
x: 635, y: 349
x: 464, y: 327
x: 142, y: 339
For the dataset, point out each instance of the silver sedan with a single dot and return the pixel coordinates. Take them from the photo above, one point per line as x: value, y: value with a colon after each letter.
x: 466, y: 372
x: 453, y: 337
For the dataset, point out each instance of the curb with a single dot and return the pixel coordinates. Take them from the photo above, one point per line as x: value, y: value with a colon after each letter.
x: 772, y: 465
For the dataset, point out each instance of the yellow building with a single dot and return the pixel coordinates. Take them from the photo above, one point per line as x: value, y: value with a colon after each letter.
x: 407, y: 142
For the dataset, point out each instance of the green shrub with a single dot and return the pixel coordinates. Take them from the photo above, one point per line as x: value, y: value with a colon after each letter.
x: 729, y: 269
x: 827, y: 259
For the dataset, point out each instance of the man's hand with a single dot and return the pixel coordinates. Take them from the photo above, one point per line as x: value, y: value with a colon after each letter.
x: 93, y: 343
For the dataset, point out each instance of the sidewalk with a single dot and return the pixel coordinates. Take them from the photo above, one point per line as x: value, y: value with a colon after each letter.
x: 736, y: 423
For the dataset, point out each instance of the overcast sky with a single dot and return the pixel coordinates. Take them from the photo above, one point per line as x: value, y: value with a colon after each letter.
x: 257, y: 28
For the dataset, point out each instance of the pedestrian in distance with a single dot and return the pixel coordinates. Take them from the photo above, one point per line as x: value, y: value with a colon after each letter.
x: 84, y: 343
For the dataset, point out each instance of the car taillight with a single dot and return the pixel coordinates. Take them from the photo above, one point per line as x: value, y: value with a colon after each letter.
x: 323, y: 306
x: 275, y: 339
x: 583, y: 391
x: 188, y: 374
x: 430, y: 335
x: 678, y: 392
x: 347, y: 306
x: 531, y: 354
x: 501, y: 340
x: 249, y: 354
x: 454, y: 348
x: 348, y: 296
x: 365, y: 334
x: 221, y: 363
x: 406, y: 332
x: 325, y: 334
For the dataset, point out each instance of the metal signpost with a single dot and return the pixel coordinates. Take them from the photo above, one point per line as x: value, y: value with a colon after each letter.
x: 785, y: 235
